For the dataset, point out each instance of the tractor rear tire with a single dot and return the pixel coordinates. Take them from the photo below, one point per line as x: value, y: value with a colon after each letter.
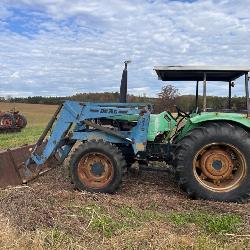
x: 20, y: 121
x: 213, y: 163
x: 97, y: 166
x: 7, y: 121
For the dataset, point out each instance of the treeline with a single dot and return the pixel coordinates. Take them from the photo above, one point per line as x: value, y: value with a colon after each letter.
x: 187, y: 102
x: 82, y: 97
x: 163, y: 102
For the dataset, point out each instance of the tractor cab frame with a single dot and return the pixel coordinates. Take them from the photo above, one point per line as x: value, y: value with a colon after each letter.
x: 205, y: 74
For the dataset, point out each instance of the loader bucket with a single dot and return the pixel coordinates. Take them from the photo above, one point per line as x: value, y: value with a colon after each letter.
x: 11, y: 165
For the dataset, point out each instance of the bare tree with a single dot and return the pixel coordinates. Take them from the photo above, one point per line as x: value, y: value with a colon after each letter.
x: 167, y: 98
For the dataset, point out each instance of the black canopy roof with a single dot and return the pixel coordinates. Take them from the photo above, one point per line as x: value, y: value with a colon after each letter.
x: 196, y: 73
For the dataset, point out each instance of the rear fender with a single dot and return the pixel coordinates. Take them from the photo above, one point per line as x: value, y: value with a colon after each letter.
x: 239, y: 119
x: 235, y: 118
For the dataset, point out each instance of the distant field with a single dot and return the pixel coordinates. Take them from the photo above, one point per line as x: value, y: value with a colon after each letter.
x: 37, y: 116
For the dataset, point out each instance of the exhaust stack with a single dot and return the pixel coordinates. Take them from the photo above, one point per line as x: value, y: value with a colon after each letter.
x: 124, y: 83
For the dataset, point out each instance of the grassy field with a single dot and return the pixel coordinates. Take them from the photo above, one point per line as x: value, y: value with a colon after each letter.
x: 37, y: 116
x: 148, y: 211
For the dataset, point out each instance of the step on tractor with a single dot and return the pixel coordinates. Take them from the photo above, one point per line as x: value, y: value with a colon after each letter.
x: 208, y: 149
x: 12, y: 121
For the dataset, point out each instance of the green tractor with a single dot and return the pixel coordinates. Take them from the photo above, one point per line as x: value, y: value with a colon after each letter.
x: 212, y: 147
x: 208, y: 149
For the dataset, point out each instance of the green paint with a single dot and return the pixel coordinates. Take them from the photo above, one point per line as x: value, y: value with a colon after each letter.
x: 185, y: 129
x: 166, y: 123
x: 160, y: 123
x: 213, y: 116
x: 197, y: 119
x: 129, y: 118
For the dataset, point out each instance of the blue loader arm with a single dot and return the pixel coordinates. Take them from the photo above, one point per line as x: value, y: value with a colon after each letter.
x: 73, y: 115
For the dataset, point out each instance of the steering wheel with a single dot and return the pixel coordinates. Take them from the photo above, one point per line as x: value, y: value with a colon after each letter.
x: 181, y: 113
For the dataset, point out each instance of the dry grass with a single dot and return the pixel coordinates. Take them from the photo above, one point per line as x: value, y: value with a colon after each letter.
x: 148, y: 212
x: 50, y: 214
x: 36, y: 114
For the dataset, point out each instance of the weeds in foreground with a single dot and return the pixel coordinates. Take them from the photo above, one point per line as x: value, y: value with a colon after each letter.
x: 211, y: 223
x: 124, y: 218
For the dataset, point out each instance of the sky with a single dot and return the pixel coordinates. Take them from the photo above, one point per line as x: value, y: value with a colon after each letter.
x: 63, y: 47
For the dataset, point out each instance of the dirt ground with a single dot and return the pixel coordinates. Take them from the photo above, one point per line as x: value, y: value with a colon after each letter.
x: 50, y: 214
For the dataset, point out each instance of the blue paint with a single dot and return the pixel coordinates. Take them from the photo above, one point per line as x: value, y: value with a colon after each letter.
x: 72, y: 117
x: 217, y: 165
x: 139, y: 133
x: 97, y: 169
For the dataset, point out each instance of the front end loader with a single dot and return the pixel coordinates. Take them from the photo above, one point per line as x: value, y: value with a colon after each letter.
x: 209, y: 150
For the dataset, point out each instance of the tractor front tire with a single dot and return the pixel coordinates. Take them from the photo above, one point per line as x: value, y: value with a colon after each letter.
x: 97, y: 166
x: 213, y: 163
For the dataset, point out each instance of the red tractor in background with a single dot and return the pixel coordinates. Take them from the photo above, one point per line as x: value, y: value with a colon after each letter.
x: 12, y: 121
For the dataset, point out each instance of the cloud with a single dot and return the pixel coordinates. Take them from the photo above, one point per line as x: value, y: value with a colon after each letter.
x: 60, y: 47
